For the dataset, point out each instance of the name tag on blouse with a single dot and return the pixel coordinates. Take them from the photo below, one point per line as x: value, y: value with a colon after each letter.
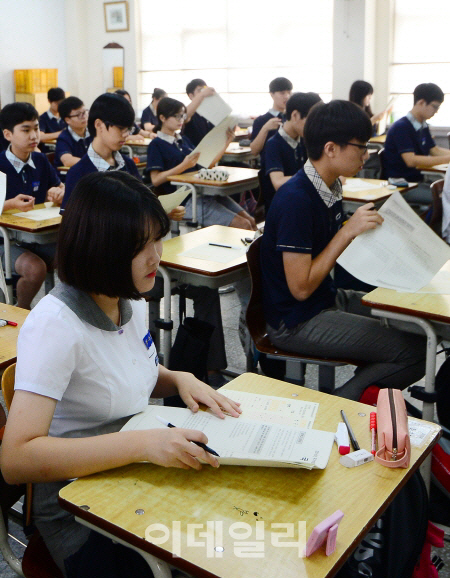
x: 148, y: 340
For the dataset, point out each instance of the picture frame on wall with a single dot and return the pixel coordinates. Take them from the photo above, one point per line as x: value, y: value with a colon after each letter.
x: 116, y: 16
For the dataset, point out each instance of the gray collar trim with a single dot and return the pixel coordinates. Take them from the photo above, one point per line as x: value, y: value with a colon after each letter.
x: 86, y: 308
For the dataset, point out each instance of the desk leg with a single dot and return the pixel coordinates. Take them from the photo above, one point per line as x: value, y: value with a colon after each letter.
x: 430, y: 373
x: 8, y: 268
x: 167, y: 314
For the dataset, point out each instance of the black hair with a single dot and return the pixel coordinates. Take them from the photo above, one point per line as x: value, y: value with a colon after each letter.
x: 338, y: 121
x: 56, y: 94
x: 191, y: 86
x: 280, y: 84
x: 428, y: 92
x: 68, y: 104
x: 167, y: 107
x: 158, y: 93
x: 358, y: 92
x: 123, y: 92
x: 109, y: 218
x: 302, y: 102
x: 111, y: 108
x: 17, y: 113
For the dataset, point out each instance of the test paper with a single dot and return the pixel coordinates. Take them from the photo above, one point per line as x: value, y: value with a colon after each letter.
x: 403, y: 253
x: 40, y: 214
x: 207, y: 252
x: 169, y: 202
x: 212, y: 143
x: 356, y: 185
x: 214, y: 109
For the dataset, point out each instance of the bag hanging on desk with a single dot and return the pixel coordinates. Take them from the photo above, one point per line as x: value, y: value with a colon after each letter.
x: 394, y: 449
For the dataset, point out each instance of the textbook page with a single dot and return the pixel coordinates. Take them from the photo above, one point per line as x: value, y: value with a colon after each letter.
x: 212, y: 143
x: 214, y: 109
x: 169, y: 202
x: 403, y: 253
x: 2, y: 191
x: 40, y: 214
x: 240, y: 441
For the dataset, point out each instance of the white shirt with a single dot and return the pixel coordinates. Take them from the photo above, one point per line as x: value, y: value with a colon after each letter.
x: 446, y: 207
x: 98, y: 376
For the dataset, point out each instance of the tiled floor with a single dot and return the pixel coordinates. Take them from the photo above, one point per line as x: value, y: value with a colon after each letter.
x: 236, y: 361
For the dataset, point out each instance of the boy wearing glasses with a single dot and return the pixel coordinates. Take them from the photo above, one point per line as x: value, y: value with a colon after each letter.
x: 302, y: 240
x: 111, y: 120
x: 74, y: 140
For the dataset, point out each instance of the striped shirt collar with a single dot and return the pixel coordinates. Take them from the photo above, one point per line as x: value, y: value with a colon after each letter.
x: 168, y: 137
x: 416, y: 124
x: 76, y: 136
x: 101, y: 165
x: 292, y: 142
x: 16, y: 162
x: 328, y: 195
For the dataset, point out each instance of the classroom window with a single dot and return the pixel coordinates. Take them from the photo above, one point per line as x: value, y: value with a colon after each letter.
x: 420, y: 54
x: 237, y: 47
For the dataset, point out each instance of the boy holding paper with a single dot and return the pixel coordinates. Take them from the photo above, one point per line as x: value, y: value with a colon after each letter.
x: 303, y: 238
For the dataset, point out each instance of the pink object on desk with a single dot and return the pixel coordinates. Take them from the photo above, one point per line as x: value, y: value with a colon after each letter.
x: 326, y: 530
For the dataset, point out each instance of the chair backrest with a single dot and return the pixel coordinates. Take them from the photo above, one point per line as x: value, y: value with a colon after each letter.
x: 381, y: 156
x: 255, y: 314
x: 3, y: 286
x: 50, y: 157
x: 436, y: 207
x: 8, y: 384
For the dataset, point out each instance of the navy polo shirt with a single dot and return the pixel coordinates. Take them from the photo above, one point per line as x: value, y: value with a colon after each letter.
x: 35, y: 182
x: 280, y: 156
x: 404, y: 138
x: 3, y: 142
x: 49, y: 125
x: 298, y: 222
x: 148, y: 116
x: 257, y: 126
x: 197, y: 128
x: 66, y: 144
x: 163, y: 156
x: 84, y: 167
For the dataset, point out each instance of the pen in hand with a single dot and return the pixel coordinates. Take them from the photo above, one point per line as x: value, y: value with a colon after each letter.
x: 199, y: 444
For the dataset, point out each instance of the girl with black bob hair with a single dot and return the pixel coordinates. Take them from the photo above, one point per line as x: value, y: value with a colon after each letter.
x: 361, y: 94
x: 86, y: 363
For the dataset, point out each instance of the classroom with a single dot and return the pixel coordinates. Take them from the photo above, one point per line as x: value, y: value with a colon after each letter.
x: 224, y: 241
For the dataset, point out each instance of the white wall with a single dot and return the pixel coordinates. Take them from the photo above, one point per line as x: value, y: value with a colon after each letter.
x: 32, y: 35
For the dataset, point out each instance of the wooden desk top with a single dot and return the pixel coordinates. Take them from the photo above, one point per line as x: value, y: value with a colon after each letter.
x: 435, y: 169
x: 144, y: 143
x: 214, y: 234
x: 234, y: 149
x: 10, y: 221
x: 378, y: 139
x: 237, y: 176
x: 9, y: 334
x: 374, y: 195
x: 248, y: 494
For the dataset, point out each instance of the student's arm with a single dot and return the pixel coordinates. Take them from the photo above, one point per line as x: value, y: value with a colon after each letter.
x: 197, y: 100
x: 145, y: 133
x: 160, y: 177
x: 22, y: 202
x: 439, y: 152
x: 148, y: 126
x: 278, y: 179
x: 304, y: 274
x: 257, y: 144
x: 413, y: 160
x: 69, y: 160
x: 47, y: 136
x: 230, y: 138
x: 377, y: 117
x: 136, y: 137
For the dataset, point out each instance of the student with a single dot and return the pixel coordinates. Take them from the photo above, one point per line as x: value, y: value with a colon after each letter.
x: 361, y: 93
x: 30, y: 179
x: 446, y: 208
x: 110, y: 120
x: 50, y: 123
x: 197, y: 126
x: 285, y: 152
x: 149, y: 120
x: 266, y: 125
x: 74, y: 140
x: 409, y: 143
x: 170, y: 154
x: 138, y: 133
x: 301, y: 242
x: 95, y: 367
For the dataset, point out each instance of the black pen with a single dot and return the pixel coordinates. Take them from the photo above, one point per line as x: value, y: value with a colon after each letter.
x: 355, y: 444
x: 244, y: 242
x: 224, y: 246
x: 199, y: 444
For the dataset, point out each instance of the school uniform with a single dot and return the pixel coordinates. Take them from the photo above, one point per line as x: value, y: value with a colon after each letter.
x: 69, y: 142
x: 149, y: 115
x: 304, y: 217
x: 257, y: 126
x: 283, y: 154
x: 93, y: 162
x: 49, y: 123
x: 4, y: 144
x: 197, y: 127
x: 446, y: 208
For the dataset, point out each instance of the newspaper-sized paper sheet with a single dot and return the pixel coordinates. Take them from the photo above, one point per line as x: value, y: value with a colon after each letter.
x: 214, y: 109
x: 40, y: 214
x: 212, y: 143
x: 403, y: 253
x: 169, y: 202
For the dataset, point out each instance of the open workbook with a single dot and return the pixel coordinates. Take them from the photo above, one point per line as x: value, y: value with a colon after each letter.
x: 247, y: 442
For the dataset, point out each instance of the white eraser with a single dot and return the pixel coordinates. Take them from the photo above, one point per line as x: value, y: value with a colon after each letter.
x: 356, y: 459
x: 341, y: 438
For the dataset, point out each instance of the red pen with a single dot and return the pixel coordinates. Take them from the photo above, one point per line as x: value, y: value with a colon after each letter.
x: 373, y: 429
x: 4, y: 322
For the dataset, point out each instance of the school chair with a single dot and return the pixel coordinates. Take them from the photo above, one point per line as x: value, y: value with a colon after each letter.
x: 3, y: 286
x: 36, y: 562
x: 381, y: 157
x: 257, y: 327
x: 435, y: 219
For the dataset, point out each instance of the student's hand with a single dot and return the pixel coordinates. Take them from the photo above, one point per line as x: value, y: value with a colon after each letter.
x: 377, y: 117
x: 145, y: 133
x: 177, y: 214
x: 172, y: 448
x: 189, y: 161
x: 207, y: 91
x: 56, y: 194
x: 273, y: 124
x: 135, y: 138
x: 364, y: 218
x: 22, y: 202
x: 230, y: 136
x: 193, y: 391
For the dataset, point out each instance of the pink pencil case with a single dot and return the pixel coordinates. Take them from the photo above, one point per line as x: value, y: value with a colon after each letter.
x: 394, y: 448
